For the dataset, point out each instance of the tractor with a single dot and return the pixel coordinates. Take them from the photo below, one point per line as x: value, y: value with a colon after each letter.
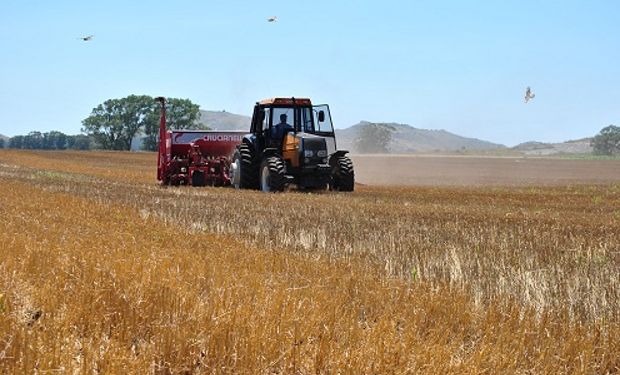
x: 291, y: 143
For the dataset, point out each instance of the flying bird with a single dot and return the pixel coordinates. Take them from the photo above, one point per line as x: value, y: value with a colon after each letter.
x: 87, y: 38
x: 529, y: 95
x: 272, y: 19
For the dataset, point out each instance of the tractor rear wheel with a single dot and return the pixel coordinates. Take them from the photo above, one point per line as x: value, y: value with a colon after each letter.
x: 243, y: 170
x: 272, y: 174
x: 343, y: 175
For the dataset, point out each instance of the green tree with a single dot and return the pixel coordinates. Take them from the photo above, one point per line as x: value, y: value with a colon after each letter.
x: 607, y: 142
x: 55, y: 140
x: 79, y: 142
x: 373, y: 138
x: 16, y: 142
x: 2, y: 142
x: 116, y: 122
x: 180, y: 114
x: 33, y: 141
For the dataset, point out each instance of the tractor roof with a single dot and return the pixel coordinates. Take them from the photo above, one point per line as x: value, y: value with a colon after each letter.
x: 285, y: 101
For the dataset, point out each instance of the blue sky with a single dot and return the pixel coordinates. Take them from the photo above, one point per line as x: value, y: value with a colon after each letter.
x: 457, y: 65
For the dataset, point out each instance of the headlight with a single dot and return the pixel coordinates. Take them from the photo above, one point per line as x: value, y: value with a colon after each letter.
x: 324, y: 160
x: 321, y: 153
x: 183, y: 170
x: 308, y: 153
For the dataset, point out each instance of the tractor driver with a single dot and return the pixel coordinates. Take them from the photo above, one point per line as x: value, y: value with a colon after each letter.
x: 279, y: 130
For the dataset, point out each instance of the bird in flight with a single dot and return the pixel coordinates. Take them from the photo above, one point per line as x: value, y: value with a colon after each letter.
x: 87, y: 38
x: 272, y: 19
x: 529, y: 95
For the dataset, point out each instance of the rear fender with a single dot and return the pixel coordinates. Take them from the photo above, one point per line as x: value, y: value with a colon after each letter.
x: 250, y: 141
x: 270, y: 152
x: 333, y: 157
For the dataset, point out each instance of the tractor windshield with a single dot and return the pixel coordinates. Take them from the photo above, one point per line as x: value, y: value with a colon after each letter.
x: 299, y: 118
x: 304, y: 119
x: 283, y: 116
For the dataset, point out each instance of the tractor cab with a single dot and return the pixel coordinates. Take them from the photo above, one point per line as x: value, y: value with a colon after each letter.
x: 290, y: 142
x: 276, y: 122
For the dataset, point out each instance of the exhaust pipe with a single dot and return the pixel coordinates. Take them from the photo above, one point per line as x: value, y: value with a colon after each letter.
x: 162, y: 155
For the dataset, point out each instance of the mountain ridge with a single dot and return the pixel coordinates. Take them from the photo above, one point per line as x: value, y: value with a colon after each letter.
x: 407, y: 139
x: 577, y: 146
x: 222, y: 120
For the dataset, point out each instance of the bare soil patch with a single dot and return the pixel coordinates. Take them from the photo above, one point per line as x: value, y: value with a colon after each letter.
x: 480, y: 171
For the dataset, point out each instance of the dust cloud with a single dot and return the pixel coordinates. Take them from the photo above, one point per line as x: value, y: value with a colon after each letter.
x: 429, y: 170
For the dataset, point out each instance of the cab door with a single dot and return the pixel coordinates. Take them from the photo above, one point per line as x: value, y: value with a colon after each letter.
x: 261, y: 129
x: 324, y: 128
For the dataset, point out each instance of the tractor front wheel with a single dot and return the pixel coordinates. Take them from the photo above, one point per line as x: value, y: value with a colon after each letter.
x: 343, y: 175
x: 272, y: 174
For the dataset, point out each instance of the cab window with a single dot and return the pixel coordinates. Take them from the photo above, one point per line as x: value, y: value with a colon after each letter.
x: 266, y: 120
x: 284, y: 115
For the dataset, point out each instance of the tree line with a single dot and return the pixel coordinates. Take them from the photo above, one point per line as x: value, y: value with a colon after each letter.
x: 113, y: 124
x: 53, y: 140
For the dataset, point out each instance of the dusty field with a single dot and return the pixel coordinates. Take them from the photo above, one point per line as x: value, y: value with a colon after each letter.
x: 482, y: 171
x: 103, y: 271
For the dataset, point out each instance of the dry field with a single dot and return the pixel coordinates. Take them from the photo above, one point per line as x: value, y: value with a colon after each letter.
x: 435, y: 170
x: 103, y: 271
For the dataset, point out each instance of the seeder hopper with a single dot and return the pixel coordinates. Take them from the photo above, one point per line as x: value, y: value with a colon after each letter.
x: 194, y: 157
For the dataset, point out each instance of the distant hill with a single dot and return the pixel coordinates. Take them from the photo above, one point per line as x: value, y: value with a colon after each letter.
x: 407, y: 139
x: 6, y: 139
x: 579, y: 146
x: 221, y: 120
